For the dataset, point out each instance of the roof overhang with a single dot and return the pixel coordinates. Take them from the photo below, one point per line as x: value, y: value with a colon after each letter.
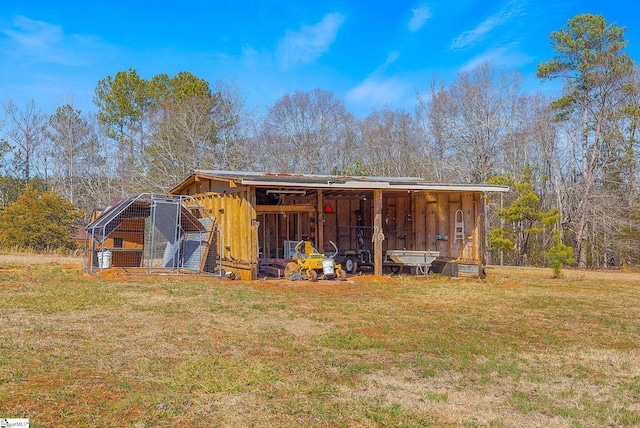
x: 308, y: 181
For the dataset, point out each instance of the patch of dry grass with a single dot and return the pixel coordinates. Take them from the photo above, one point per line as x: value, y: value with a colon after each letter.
x: 518, y: 349
x: 14, y: 259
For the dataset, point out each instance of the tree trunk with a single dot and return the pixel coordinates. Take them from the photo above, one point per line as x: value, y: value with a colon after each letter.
x: 586, y: 177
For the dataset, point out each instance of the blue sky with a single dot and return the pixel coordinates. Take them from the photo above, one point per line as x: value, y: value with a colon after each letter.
x: 369, y: 54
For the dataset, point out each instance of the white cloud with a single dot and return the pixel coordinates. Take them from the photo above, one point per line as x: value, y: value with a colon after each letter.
x: 253, y: 59
x: 31, y: 34
x: 375, y: 92
x: 39, y: 41
x: 310, y: 42
x: 420, y: 16
x: 507, y: 56
x: 391, y: 58
x: 471, y: 37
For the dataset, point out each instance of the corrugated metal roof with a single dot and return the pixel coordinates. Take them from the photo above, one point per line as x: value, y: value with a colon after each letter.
x: 262, y: 179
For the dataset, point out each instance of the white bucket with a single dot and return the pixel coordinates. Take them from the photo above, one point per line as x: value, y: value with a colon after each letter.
x: 327, y: 266
x: 104, y: 259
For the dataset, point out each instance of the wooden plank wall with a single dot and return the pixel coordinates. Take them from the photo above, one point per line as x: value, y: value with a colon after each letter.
x: 443, y: 224
x: 431, y: 225
x: 339, y: 226
x: 275, y: 228
x: 344, y: 214
x: 389, y: 224
x: 455, y: 245
x: 234, y: 215
x: 403, y: 224
x: 420, y: 222
x: 308, y: 226
x: 330, y: 225
x: 268, y: 231
x: 471, y: 244
x: 283, y: 231
x: 132, y: 233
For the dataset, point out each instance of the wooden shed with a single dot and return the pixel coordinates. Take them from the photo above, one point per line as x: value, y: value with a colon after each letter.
x: 261, y: 214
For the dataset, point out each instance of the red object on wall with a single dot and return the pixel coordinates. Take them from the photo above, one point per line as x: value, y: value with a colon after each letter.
x: 328, y: 209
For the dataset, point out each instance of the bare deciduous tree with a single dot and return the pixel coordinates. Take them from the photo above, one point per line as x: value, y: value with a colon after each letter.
x: 471, y: 121
x: 391, y: 139
x: 307, y: 132
x: 68, y: 135
x: 235, y: 126
x: 25, y: 132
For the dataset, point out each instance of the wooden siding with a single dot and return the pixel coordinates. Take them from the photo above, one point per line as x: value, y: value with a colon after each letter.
x: 126, y: 244
x: 236, y: 218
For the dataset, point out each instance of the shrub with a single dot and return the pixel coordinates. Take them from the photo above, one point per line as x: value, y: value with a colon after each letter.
x: 39, y: 220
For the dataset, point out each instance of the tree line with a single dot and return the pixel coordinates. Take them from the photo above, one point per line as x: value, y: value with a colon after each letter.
x: 570, y: 160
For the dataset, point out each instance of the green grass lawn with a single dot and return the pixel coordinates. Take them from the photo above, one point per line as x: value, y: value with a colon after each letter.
x: 517, y: 349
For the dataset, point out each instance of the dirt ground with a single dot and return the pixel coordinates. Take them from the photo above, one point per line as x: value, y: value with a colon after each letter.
x: 494, y: 274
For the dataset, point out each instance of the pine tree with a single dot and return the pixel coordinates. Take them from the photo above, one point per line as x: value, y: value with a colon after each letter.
x: 590, y: 59
x: 525, y: 217
x: 559, y: 255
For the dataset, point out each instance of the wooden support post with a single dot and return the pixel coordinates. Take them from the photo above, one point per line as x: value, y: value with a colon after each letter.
x: 320, y: 222
x: 481, y: 228
x: 378, y: 235
x: 253, y: 232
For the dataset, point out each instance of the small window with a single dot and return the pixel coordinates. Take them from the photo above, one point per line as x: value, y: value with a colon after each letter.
x: 117, y: 242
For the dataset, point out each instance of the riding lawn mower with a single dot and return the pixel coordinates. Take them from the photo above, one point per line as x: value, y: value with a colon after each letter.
x: 309, y: 263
